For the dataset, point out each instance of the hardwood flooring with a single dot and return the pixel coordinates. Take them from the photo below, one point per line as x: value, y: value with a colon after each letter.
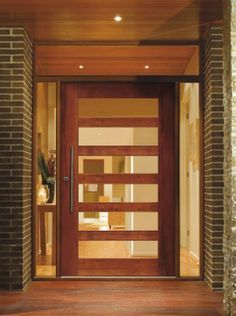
x: 189, y: 266
x: 113, y: 298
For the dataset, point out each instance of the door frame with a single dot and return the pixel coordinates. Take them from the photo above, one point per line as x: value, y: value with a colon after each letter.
x: 151, y: 79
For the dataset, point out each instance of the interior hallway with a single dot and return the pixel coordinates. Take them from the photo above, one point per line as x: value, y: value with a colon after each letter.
x: 113, y: 298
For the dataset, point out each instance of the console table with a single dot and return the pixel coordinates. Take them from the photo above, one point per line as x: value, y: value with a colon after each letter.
x: 41, y: 210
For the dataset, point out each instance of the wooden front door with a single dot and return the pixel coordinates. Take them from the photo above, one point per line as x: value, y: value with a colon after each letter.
x: 130, y: 127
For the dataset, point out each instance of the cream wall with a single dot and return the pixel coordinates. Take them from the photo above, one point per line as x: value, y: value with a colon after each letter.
x: 189, y: 168
x: 42, y: 116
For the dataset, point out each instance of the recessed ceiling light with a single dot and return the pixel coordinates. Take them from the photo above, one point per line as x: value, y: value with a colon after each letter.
x: 81, y: 66
x: 118, y: 18
x: 146, y: 67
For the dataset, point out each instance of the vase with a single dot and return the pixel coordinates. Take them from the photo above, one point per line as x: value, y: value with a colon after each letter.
x: 51, y: 188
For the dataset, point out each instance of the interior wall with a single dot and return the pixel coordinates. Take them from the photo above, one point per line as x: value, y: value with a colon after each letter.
x: 42, y: 116
x: 189, y: 168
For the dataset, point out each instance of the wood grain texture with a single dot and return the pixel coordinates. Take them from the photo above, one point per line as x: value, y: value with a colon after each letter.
x: 118, y: 90
x: 118, y: 267
x: 89, y: 21
x: 68, y: 138
x: 167, y: 176
x: 115, y: 60
x: 165, y: 93
x: 118, y: 150
x: 119, y: 122
x: 118, y: 235
x: 118, y: 298
x: 125, y: 178
x: 118, y: 207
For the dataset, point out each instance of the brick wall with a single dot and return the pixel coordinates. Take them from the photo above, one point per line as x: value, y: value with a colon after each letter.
x: 230, y: 157
x: 15, y: 158
x: 213, y: 157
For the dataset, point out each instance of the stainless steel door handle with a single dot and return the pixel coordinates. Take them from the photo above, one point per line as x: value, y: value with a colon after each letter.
x: 71, y: 179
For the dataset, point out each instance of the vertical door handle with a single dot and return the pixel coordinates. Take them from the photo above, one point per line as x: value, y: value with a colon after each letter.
x: 71, y: 179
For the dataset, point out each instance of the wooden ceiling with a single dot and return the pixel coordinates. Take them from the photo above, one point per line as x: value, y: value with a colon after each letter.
x: 92, y: 20
x: 116, y: 60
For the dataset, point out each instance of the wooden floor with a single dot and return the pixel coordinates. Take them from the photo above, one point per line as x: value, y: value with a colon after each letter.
x: 113, y: 298
x: 189, y: 266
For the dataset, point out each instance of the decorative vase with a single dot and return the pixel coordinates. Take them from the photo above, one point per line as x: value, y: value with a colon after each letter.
x: 42, y: 195
x: 51, y: 188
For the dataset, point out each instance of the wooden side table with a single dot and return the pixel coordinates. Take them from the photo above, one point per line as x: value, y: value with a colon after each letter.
x: 41, y: 210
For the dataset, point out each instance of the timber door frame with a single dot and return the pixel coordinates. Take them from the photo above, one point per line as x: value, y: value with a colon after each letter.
x: 69, y: 123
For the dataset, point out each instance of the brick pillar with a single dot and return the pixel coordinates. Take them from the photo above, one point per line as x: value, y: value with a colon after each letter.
x: 230, y: 156
x: 213, y: 157
x: 15, y: 158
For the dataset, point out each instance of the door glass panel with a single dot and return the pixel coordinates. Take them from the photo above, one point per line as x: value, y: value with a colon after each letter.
x: 122, y: 221
x: 123, y: 164
x: 96, y: 249
x: 118, y: 107
x: 93, y: 193
x: 122, y: 136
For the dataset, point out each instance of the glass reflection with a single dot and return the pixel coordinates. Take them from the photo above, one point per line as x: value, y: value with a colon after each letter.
x: 93, y: 193
x: 118, y: 136
x: 118, y: 107
x: 120, y: 164
x: 117, y: 249
x: 123, y: 221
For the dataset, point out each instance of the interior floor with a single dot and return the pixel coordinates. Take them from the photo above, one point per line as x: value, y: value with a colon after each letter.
x: 189, y: 265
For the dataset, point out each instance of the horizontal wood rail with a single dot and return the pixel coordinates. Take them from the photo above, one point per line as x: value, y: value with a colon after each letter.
x: 118, y: 178
x: 116, y: 267
x: 118, y: 207
x: 119, y: 122
x: 118, y: 235
x: 118, y: 150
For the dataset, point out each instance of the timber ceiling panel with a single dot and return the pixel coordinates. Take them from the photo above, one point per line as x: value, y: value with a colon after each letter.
x: 116, y: 60
x: 92, y: 20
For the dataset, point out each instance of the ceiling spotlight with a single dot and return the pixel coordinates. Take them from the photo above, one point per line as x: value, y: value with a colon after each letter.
x: 118, y: 18
x: 81, y: 67
x: 146, y: 67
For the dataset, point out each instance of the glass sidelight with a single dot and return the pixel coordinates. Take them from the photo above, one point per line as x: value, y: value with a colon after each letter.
x: 45, y: 180
x: 189, y: 180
